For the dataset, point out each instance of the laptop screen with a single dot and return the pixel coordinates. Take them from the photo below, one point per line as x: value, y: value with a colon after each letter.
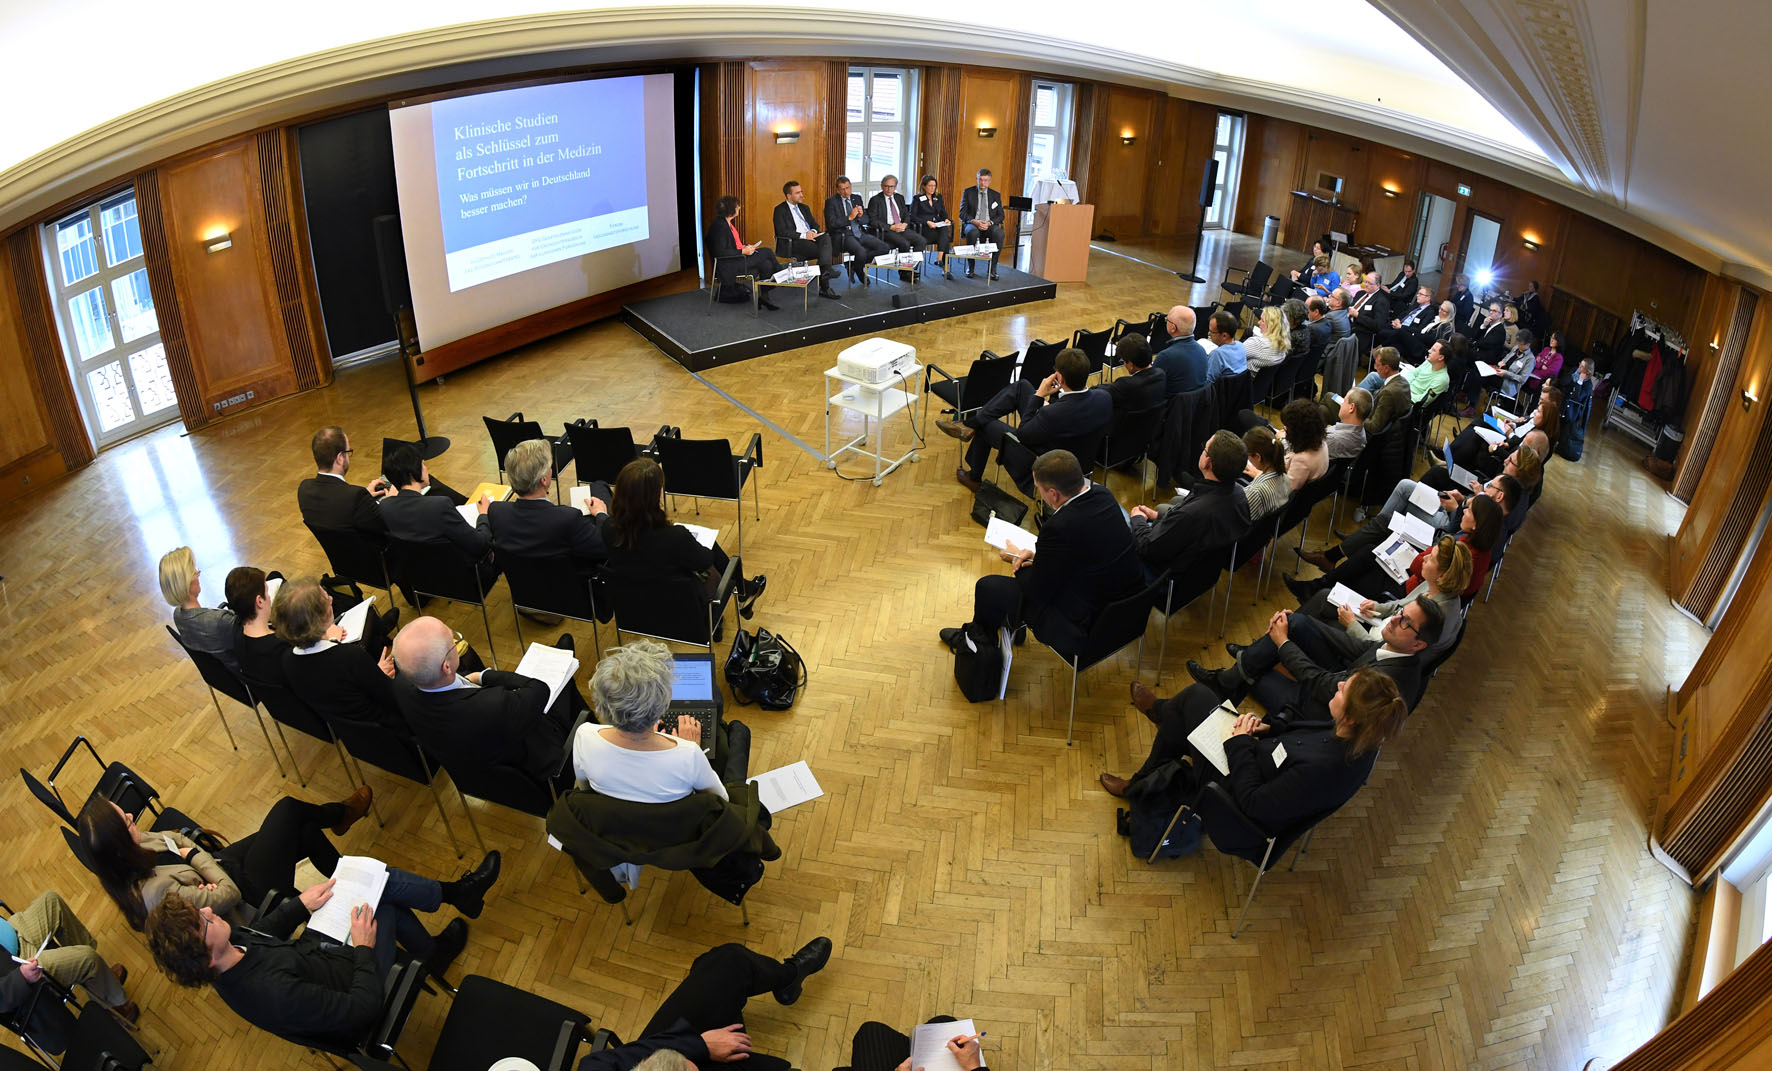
x: 692, y: 679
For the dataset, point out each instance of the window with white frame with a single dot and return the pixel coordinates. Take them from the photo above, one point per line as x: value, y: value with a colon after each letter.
x: 1049, y: 131
x: 881, y: 133
x: 1227, y: 149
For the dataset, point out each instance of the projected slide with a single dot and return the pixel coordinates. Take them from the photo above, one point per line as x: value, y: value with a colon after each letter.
x: 527, y: 177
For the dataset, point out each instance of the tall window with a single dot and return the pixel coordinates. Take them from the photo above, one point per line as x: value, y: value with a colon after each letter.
x: 1049, y: 131
x: 110, y: 332
x: 881, y: 135
x: 1227, y: 149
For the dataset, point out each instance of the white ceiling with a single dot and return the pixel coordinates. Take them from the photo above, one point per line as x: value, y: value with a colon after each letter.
x: 1467, y: 80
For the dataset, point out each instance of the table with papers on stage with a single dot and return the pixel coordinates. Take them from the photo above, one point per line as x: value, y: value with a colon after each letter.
x: 875, y: 402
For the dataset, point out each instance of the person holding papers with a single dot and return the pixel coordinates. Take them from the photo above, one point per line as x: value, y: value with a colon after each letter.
x: 930, y: 213
x: 878, y: 1047
x: 1440, y: 573
x: 530, y: 526
x: 1278, y: 774
x: 981, y: 218
x: 733, y: 256
x: 629, y: 756
x: 354, y: 681
x: 643, y: 544
x: 1478, y: 521
x: 416, y: 517
x: 74, y: 961
x: 479, y: 720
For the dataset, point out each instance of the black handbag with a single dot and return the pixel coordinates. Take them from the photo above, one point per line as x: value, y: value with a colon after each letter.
x: 993, y: 499
x: 979, y: 673
x: 764, y: 669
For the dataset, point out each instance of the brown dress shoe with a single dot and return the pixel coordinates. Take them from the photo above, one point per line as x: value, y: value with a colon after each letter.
x: 121, y: 972
x: 1115, y: 786
x: 1143, y: 699
x: 128, y: 1012
x: 356, y: 806
x: 954, y: 429
x: 1316, y: 558
x: 966, y: 479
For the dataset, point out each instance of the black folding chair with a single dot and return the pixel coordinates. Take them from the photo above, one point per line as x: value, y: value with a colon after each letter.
x: 219, y: 678
x: 1432, y: 668
x: 1129, y: 438
x: 1094, y: 345
x: 1249, y: 282
x: 489, y: 1021
x: 355, y: 556
x: 1039, y: 361
x: 1113, y: 630
x: 600, y: 453
x: 549, y: 585
x: 399, y: 993
x: 288, y: 709
x: 676, y: 611
x: 442, y: 571
x: 707, y: 468
x: 964, y: 395
x: 392, y: 750
x: 514, y: 429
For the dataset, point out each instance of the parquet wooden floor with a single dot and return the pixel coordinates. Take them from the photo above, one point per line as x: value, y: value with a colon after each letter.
x: 1486, y: 902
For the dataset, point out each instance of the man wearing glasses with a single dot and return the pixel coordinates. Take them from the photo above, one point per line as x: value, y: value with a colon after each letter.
x: 330, y: 501
x: 1318, y: 657
x: 889, y: 214
x: 1183, y: 360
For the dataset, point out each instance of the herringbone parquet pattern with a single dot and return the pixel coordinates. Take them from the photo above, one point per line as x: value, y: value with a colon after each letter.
x: 1487, y: 901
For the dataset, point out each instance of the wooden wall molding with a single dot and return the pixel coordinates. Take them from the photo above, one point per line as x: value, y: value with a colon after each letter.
x: 1731, y: 1028
x: 1701, y: 436
x: 158, y: 257
x: 286, y: 276
x: 45, y: 363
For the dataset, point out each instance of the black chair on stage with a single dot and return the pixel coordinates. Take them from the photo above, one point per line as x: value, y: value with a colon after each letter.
x: 514, y: 429
x: 442, y: 571
x: 707, y: 468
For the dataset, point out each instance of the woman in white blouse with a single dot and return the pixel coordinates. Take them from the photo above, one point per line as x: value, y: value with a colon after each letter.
x: 1269, y: 343
x: 629, y: 757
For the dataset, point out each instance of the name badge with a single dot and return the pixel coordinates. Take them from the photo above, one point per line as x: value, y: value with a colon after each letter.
x: 1279, y: 754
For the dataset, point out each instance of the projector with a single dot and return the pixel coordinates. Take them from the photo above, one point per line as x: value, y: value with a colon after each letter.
x: 877, y: 360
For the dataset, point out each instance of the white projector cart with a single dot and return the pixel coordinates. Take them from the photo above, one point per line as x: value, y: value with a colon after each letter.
x: 876, y: 402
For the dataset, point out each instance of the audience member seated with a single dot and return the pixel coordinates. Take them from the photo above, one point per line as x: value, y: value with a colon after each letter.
x: 1439, y: 574
x: 630, y: 756
x: 1321, y: 279
x: 256, y: 647
x: 846, y: 221
x: 1209, y: 518
x: 1280, y: 775
x: 327, y: 500
x: 530, y: 526
x: 1525, y: 467
x: 930, y: 213
x: 1549, y: 364
x: 1269, y: 341
x: 139, y: 869
x: 1089, y: 562
x: 1316, y: 658
x: 643, y: 544
x: 1339, y: 325
x: 338, y: 680
x: 1371, y: 311
x: 703, y: 1018
x: 1319, y: 329
x: 1478, y: 521
x: 1515, y: 367
x: 795, y: 229
x: 1429, y: 378
x: 312, y: 986
x: 1474, y: 450
x: 203, y: 628
x: 1297, y: 327
x: 1351, y: 281
x: 414, y: 516
x: 1060, y: 409
x: 1347, y: 436
x: 878, y: 1047
x: 1406, y: 280
x: 1413, y: 338
x: 1227, y: 356
x: 1144, y: 385
x: 74, y: 961
x: 1463, y: 301
x: 1183, y: 360
x: 1390, y: 402
x: 1268, y: 488
x: 1307, y: 446
x: 477, y: 720
x: 735, y: 257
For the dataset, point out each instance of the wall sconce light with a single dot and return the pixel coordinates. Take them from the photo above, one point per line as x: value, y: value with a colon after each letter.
x: 1389, y: 190
x: 786, y: 137
x: 1127, y: 137
x: 1716, y: 343
x: 1531, y: 243
x: 987, y: 131
x: 1748, y: 398
x: 215, y: 243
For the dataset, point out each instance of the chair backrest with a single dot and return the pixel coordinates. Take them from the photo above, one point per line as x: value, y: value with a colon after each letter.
x: 988, y: 375
x: 1234, y: 396
x: 287, y: 708
x: 504, y: 785
x: 44, y: 1022
x: 676, y: 609
x: 1235, y: 833
x: 599, y: 453
x: 1094, y: 345
x: 548, y: 585
x: 1340, y: 363
x: 509, y: 432
x: 440, y: 569
x: 1261, y: 387
x: 47, y: 796
x: 1202, y: 319
x: 385, y: 748
x: 1038, y: 362
x: 1258, y: 277
x: 1131, y: 434
x: 704, y: 468
x: 1266, y: 526
x: 1120, y: 623
x: 352, y: 555
x: 214, y: 673
x: 1187, y: 424
x: 1122, y: 328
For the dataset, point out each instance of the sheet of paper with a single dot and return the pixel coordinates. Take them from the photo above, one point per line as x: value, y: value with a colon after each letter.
x: 1502, y: 414
x: 1425, y: 499
x: 271, y: 587
x: 1464, y: 477
x: 1394, y: 556
x: 469, y: 513
x: 787, y: 786
x: 704, y: 536
x: 1000, y: 532
x: 1487, y: 369
x: 358, y: 879
x: 1279, y: 754
x: 1488, y: 435
x: 355, y: 618
x: 549, y: 665
x: 497, y: 491
x: 580, y: 497
x: 929, y: 1044
x: 1209, y: 736
x: 1412, y: 528
x: 1342, y: 595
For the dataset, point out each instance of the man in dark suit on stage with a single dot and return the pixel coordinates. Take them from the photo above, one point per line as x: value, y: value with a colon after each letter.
x: 1086, y: 561
x: 891, y: 217
x: 1060, y: 408
x: 796, y: 228
x: 850, y: 227
x: 724, y: 241
x: 328, y: 501
x: 416, y: 517
x: 1143, y: 386
x: 981, y: 218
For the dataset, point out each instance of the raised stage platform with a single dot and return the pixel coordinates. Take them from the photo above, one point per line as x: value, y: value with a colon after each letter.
x: 699, y: 336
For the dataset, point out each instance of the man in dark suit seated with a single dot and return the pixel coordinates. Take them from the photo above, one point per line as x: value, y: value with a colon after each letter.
x: 313, y: 986
x: 892, y: 222
x: 1317, y: 657
x: 794, y: 226
x: 328, y: 500
x: 1390, y: 401
x: 1404, y: 329
x: 847, y: 222
x: 1060, y: 408
x: 1183, y: 361
x: 981, y: 218
x: 1089, y: 561
x: 530, y: 526
x: 1405, y: 282
x: 417, y: 517
x: 1142, y: 387
x: 724, y: 242
x: 1371, y: 312
x: 491, y: 718
x: 1319, y: 330
x: 1207, y: 519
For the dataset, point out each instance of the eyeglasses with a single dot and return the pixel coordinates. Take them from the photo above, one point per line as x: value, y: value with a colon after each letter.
x: 348, y: 450
x: 1403, y: 619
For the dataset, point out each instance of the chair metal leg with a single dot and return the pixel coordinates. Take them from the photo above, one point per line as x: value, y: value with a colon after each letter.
x: 300, y: 777
x: 491, y: 651
x: 216, y: 703
x: 744, y: 913
x: 1304, y: 845
x: 473, y: 825
x: 344, y: 762
x: 1250, y: 899
x: 431, y: 783
x: 272, y: 748
x: 517, y: 619
x: 1170, y: 828
x: 625, y: 917
x: 1163, y: 647
x: 1071, y: 723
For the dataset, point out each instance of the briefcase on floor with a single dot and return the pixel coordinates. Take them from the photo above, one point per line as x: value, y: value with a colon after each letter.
x: 991, y: 499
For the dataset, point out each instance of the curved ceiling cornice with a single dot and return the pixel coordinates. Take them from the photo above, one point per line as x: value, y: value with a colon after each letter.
x: 389, y: 67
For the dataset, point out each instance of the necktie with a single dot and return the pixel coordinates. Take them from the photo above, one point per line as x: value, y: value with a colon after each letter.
x: 892, y: 210
x: 800, y: 214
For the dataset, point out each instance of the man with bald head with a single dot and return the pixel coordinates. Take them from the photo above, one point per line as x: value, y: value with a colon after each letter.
x: 494, y: 717
x: 1183, y: 360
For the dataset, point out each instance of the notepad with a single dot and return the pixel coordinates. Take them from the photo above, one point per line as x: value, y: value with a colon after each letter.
x: 1412, y: 528
x: 498, y: 491
x: 929, y: 1044
x: 1488, y: 435
x: 357, y: 879
x: 580, y: 497
x: 1000, y: 533
x: 271, y: 587
x: 354, y: 619
x: 787, y: 786
x: 1425, y: 499
x: 1487, y: 370
x: 553, y: 666
x: 1394, y: 557
x: 470, y: 513
x: 1209, y: 736
x: 1342, y: 595
x: 704, y: 536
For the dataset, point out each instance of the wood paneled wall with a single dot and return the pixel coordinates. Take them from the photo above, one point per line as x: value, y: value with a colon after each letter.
x: 1729, y: 1030
x: 1121, y: 175
x: 787, y: 95
x: 41, y: 436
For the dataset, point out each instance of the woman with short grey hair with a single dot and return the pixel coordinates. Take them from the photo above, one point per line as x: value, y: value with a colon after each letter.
x: 628, y: 757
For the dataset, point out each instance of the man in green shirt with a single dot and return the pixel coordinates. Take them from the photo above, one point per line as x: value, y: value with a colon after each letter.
x: 1429, y: 378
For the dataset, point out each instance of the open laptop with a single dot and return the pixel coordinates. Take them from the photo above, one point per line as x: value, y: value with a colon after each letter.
x: 695, y: 693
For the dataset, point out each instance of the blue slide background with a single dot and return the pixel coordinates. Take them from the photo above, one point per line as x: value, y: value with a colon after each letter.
x: 609, y: 112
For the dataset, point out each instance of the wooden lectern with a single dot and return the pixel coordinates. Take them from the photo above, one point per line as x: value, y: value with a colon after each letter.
x: 1061, y: 242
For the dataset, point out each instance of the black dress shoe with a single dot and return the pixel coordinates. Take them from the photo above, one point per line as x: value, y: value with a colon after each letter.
x: 827, y: 292
x: 446, y: 946
x: 809, y: 960
x: 765, y: 303
x: 1208, y: 677
x: 467, y: 894
x: 955, y: 638
x: 1301, y: 590
x: 1235, y: 650
x: 993, y: 277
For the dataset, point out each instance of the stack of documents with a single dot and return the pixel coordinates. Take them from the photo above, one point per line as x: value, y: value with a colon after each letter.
x: 550, y: 665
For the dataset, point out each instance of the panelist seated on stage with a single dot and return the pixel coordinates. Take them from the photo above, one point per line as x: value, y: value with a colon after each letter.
x: 415, y: 517
x: 892, y: 220
x: 734, y: 256
x: 930, y: 213
x: 1087, y: 561
x: 849, y: 225
x: 797, y: 230
x: 981, y: 218
x: 1183, y: 360
x: 1061, y: 409
x: 530, y: 526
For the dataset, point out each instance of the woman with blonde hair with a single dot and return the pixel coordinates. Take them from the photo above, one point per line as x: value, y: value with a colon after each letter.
x: 1271, y: 340
x: 1438, y: 574
x: 203, y: 628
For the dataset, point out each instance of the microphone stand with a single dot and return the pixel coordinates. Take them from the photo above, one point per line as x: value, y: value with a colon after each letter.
x: 1192, y: 275
x: 429, y: 446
